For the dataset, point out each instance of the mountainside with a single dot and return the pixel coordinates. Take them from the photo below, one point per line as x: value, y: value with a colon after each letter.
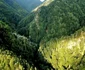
x: 51, y: 37
x: 66, y: 53
x: 54, y: 27
x: 29, y: 5
x: 11, y: 12
x: 57, y: 19
x: 16, y: 51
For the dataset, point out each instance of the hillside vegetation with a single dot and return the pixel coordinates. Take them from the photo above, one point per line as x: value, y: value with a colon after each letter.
x: 11, y: 12
x: 59, y: 18
x: 51, y: 37
x: 52, y: 22
x: 66, y: 53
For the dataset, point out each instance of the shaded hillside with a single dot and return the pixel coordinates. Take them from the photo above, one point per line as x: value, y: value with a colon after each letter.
x: 29, y: 5
x: 16, y: 7
x: 52, y: 37
x: 16, y: 51
x: 57, y: 19
x: 21, y: 49
x: 54, y: 28
x: 11, y: 12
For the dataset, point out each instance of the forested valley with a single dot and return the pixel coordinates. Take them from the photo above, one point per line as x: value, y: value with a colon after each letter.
x: 47, y: 35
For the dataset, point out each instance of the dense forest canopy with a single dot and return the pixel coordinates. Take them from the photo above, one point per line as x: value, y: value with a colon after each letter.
x: 48, y: 37
x: 11, y: 12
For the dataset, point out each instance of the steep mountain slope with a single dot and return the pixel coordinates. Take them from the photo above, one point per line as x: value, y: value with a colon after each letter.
x: 58, y: 28
x: 20, y: 50
x: 66, y: 53
x: 29, y: 5
x: 51, y: 21
x: 17, y: 7
x: 16, y: 51
x: 52, y: 37
x: 11, y: 12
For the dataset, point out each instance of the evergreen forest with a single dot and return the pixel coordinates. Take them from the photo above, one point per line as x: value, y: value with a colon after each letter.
x: 47, y: 35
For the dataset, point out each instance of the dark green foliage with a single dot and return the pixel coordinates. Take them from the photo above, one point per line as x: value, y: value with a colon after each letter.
x: 82, y: 21
x: 23, y: 48
x: 11, y: 12
x: 53, y: 40
x: 4, y: 34
x: 23, y: 29
x: 19, y: 45
x: 60, y: 18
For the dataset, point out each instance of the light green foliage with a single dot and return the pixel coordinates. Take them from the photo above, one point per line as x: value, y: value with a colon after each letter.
x: 55, y: 37
x: 66, y: 53
x: 22, y: 50
x: 51, y: 28
x: 8, y: 61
